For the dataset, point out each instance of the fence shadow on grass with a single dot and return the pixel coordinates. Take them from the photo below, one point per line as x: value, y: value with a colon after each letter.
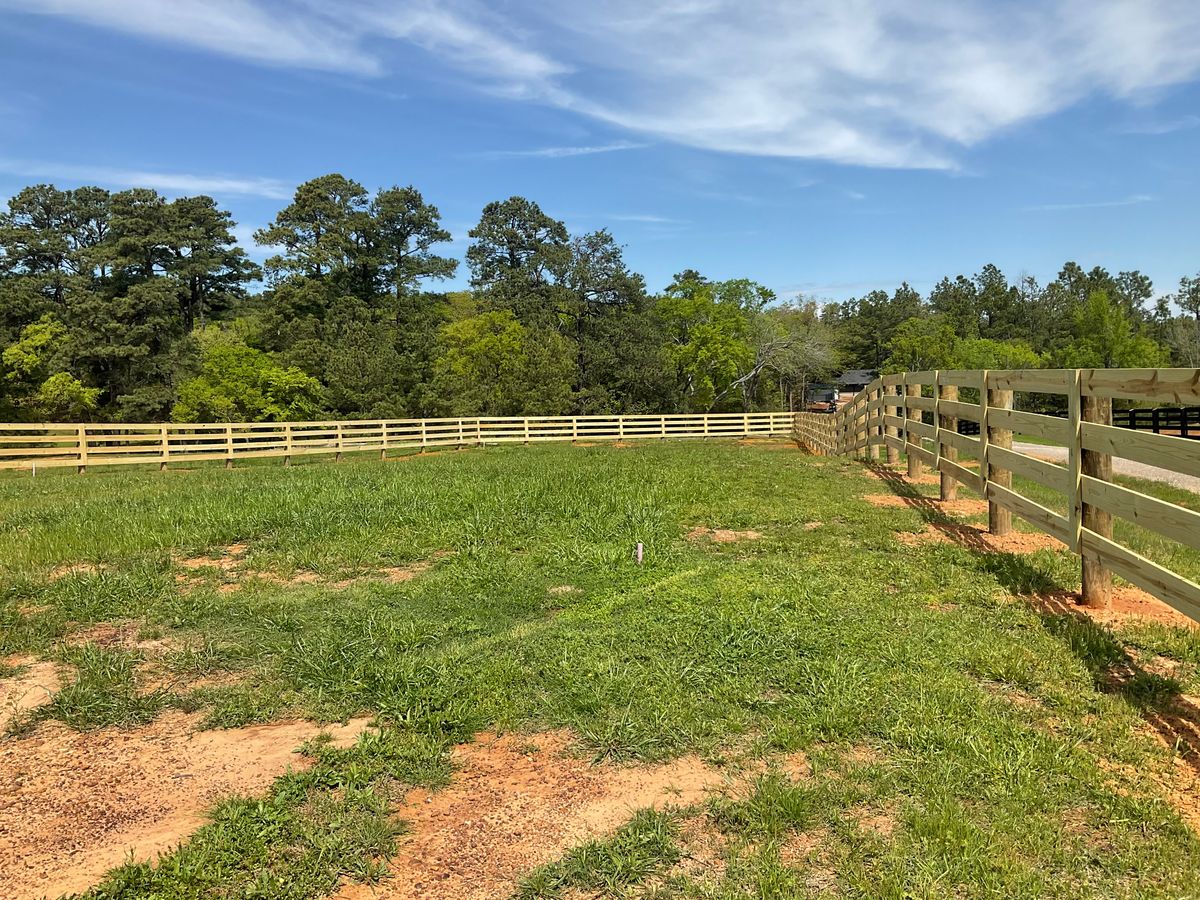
x: 1174, y: 716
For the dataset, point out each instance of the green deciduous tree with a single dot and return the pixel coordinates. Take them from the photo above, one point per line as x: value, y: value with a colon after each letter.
x: 1106, y: 338
x: 238, y: 383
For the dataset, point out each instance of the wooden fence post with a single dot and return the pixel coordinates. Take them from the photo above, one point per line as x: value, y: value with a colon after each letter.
x: 1097, y: 579
x: 337, y: 456
x: 999, y: 517
x: 229, y: 446
x: 949, y: 487
x: 873, y: 420
x: 384, y: 441
x: 82, y: 438
x: 165, y: 444
x: 287, y: 442
x: 461, y: 440
x: 892, y: 454
x: 424, y: 436
x: 913, y: 415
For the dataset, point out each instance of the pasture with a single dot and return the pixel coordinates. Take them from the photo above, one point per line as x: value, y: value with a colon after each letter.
x: 811, y: 686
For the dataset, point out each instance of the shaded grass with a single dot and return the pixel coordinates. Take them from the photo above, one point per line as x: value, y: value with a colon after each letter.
x: 993, y: 727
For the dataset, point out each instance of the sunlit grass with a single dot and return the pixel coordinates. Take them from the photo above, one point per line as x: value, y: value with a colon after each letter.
x: 1012, y: 767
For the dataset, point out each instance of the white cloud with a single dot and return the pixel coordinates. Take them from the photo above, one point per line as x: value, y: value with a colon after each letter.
x: 894, y: 83
x: 1135, y: 200
x: 647, y: 218
x: 167, y: 182
x: 1162, y: 126
x: 561, y: 152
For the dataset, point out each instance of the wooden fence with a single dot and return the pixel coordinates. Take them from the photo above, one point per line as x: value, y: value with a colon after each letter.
x: 32, y: 446
x: 917, y: 414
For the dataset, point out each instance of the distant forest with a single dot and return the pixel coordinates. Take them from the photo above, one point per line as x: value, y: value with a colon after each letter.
x: 128, y: 306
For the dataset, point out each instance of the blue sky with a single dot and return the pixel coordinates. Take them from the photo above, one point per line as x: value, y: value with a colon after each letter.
x: 820, y: 147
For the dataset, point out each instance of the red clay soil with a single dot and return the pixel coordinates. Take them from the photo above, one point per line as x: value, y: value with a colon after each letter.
x: 975, y: 537
x: 33, y: 687
x: 1129, y: 604
x: 74, y: 805
x: 965, y: 507
x: 231, y: 565
x: 517, y: 802
x: 701, y: 534
x: 896, y: 476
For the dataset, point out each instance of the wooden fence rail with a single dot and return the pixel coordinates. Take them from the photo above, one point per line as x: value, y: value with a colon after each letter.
x: 917, y: 414
x: 32, y: 446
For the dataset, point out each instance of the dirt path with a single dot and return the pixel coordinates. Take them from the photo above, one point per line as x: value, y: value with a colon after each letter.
x: 514, y: 803
x: 1120, y: 466
x: 73, y: 805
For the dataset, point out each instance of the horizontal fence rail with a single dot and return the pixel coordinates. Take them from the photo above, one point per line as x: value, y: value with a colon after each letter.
x: 921, y: 414
x: 31, y: 446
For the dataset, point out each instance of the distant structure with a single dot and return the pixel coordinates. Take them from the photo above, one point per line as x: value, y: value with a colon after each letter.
x: 852, y: 381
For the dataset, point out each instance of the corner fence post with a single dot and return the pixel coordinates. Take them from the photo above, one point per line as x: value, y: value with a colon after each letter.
x: 890, y: 431
x: 1096, y: 578
x: 999, y: 517
x: 874, y: 417
x: 948, y: 392
x: 912, y: 415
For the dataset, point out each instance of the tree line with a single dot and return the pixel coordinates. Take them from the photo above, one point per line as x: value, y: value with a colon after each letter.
x: 128, y: 306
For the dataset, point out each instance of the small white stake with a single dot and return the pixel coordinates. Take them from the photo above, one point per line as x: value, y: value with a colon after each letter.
x: 639, y: 553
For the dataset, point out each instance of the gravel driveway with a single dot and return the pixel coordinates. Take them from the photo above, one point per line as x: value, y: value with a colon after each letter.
x: 1120, y: 466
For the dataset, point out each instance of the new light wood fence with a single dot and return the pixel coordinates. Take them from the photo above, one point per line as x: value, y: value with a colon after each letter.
x: 32, y: 446
x: 916, y: 414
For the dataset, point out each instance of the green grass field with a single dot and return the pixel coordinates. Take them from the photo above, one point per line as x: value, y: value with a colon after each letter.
x: 1007, y: 756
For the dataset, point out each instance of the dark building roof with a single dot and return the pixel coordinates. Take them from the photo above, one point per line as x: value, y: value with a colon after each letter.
x: 856, y: 376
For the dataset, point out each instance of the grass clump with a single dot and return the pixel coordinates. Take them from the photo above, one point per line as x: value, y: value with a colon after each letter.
x: 104, y: 691
x: 644, y: 846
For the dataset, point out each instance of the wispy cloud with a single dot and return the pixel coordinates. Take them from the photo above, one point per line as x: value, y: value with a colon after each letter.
x: 1135, y: 200
x: 647, y: 218
x: 1162, y: 126
x: 885, y: 83
x: 560, y: 152
x: 167, y: 182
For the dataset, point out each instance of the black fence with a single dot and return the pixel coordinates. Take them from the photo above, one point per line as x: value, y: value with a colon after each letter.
x: 1181, y: 421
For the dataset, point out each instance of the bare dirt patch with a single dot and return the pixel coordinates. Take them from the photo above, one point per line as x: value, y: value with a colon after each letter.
x: 878, y: 820
x: 897, y: 476
x: 59, y: 572
x: 1129, y: 604
x: 73, y: 805
x: 702, y: 851
x: 517, y: 802
x: 33, y: 687
x: 233, y: 570
x: 126, y: 634
x: 974, y: 537
x: 966, y: 507
x: 701, y: 534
